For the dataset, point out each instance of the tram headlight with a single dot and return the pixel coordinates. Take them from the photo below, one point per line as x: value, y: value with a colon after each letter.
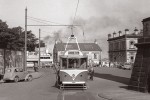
x: 73, y: 76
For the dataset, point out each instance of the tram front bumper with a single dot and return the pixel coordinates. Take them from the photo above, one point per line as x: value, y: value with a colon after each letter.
x: 73, y: 82
x: 73, y: 85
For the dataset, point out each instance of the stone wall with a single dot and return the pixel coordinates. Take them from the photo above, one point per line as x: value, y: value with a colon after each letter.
x: 12, y: 59
x: 140, y: 77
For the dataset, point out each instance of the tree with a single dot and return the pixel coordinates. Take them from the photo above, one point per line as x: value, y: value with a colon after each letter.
x: 3, y: 26
x: 42, y: 44
x: 14, y: 38
x: 31, y: 40
x: 15, y: 42
x: 4, y: 35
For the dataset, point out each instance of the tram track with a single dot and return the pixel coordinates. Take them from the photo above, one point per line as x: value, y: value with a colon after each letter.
x: 75, y: 95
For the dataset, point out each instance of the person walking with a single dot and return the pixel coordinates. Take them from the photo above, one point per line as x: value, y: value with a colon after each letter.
x: 35, y: 67
x: 57, y: 70
x: 91, y: 70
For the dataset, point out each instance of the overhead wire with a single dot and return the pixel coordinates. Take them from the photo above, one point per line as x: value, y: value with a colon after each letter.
x: 75, y: 12
x: 72, y: 26
x: 37, y: 21
x: 43, y: 20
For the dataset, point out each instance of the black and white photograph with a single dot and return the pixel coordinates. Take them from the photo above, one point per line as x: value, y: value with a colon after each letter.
x: 74, y: 49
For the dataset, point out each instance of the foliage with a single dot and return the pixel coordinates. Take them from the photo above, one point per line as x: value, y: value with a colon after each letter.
x: 42, y: 44
x: 14, y: 38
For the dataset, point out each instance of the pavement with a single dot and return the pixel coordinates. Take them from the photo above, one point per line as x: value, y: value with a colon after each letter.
x: 117, y: 90
x: 123, y: 94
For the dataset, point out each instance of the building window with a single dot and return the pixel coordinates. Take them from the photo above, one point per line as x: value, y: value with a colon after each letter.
x: 132, y: 59
x: 114, y: 59
x: 132, y: 44
x: 122, y: 45
x: 95, y: 56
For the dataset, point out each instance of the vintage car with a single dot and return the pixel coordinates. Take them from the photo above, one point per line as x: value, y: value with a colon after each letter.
x: 127, y: 66
x: 16, y: 74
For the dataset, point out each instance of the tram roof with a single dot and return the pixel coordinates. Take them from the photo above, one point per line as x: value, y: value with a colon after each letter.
x: 83, y: 46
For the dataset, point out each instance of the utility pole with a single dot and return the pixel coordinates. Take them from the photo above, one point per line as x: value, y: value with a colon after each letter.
x: 25, y: 46
x: 39, y: 46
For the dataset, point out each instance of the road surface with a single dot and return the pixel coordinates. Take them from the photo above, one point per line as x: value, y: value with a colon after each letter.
x: 40, y: 89
x: 43, y: 88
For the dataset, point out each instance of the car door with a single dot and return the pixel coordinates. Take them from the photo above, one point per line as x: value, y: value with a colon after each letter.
x: 21, y: 73
x: 17, y: 72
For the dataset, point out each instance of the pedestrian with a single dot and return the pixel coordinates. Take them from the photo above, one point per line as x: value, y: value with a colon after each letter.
x: 35, y: 67
x: 57, y: 67
x: 91, y: 70
x: 57, y: 70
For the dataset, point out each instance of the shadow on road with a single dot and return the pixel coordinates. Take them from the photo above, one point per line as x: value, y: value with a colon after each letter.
x: 111, y: 77
x: 124, y: 87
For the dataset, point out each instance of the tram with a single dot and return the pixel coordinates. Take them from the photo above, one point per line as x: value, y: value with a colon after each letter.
x: 73, y: 72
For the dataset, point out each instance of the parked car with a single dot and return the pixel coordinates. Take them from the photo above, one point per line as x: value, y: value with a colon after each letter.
x: 119, y: 65
x: 16, y: 74
x: 127, y: 66
x: 107, y: 64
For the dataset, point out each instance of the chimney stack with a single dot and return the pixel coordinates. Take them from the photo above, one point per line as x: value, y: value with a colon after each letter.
x: 136, y: 31
x: 95, y: 41
x: 126, y: 31
x: 120, y: 33
x: 114, y: 34
x: 109, y: 36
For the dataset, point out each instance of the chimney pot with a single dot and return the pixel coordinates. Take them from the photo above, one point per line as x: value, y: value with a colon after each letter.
x: 126, y: 31
x: 120, y: 33
x: 109, y: 36
x: 136, y: 31
x: 114, y: 34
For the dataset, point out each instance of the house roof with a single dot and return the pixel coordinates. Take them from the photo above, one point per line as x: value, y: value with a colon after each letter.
x: 83, y: 46
x: 126, y: 36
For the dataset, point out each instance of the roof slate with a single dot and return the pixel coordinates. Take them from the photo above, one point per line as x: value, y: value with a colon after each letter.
x: 83, y: 46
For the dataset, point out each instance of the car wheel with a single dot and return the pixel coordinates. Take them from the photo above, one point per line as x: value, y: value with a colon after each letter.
x: 16, y: 79
x: 5, y: 81
x: 29, y: 78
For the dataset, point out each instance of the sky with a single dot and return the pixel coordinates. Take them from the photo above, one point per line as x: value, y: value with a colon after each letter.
x: 97, y: 18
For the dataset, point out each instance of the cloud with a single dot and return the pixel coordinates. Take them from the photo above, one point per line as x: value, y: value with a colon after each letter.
x: 97, y: 28
x: 97, y: 17
x: 112, y: 15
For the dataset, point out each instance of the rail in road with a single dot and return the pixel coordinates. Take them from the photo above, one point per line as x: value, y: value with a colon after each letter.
x: 44, y: 88
x: 76, y: 95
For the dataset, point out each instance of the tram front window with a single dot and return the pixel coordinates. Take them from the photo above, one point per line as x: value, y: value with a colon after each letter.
x: 73, y: 63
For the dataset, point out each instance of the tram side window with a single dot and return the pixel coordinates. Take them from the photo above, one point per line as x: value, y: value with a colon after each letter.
x: 64, y: 64
x: 83, y: 64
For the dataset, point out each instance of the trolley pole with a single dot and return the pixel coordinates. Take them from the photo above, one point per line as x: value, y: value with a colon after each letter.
x: 39, y: 46
x: 25, y: 46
